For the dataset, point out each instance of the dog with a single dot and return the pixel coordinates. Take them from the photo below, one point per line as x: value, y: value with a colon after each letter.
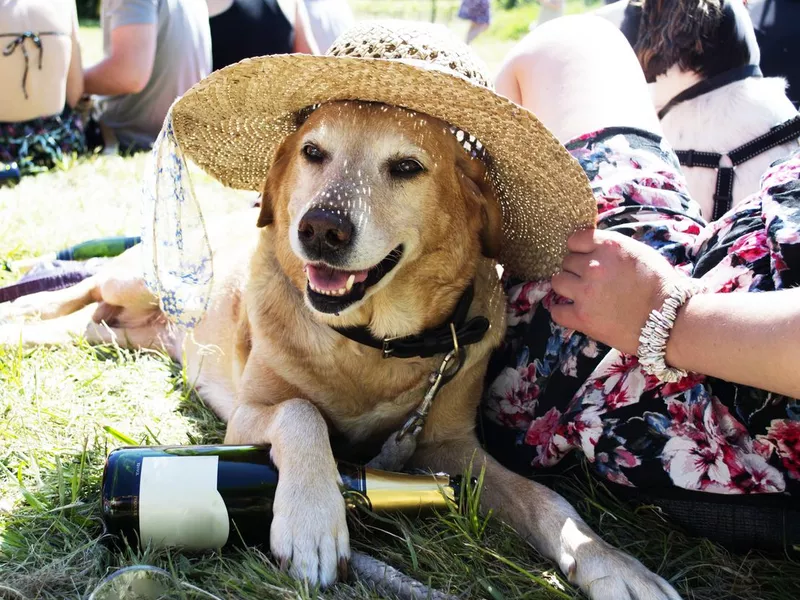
x: 706, y: 52
x: 363, y: 220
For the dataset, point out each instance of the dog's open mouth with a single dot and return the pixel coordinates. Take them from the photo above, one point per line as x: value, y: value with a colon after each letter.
x: 332, y: 290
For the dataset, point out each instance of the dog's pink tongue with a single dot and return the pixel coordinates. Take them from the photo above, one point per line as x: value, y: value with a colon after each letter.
x: 328, y: 279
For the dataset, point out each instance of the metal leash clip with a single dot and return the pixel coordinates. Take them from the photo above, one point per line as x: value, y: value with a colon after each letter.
x: 446, y: 371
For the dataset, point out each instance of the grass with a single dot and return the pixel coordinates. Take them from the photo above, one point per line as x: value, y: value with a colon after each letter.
x: 62, y: 410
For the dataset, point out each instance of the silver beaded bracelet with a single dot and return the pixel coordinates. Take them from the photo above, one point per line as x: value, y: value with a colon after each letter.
x: 655, y: 334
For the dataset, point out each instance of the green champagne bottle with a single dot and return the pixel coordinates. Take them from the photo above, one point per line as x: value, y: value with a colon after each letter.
x: 203, y: 497
x: 100, y: 247
x: 107, y: 247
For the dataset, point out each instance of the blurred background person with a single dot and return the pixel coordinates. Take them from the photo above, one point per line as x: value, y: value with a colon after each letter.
x: 777, y: 34
x: 329, y: 19
x: 246, y: 28
x: 154, y: 50
x: 40, y: 67
x: 478, y: 13
x: 726, y: 118
x: 777, y: 25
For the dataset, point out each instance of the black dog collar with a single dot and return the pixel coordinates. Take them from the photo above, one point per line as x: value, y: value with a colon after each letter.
x: 437, y: 340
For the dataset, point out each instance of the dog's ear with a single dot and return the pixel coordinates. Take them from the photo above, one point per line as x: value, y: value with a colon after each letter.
x: 272, y: 184
x: 477, y: 188
x: 265, y: 217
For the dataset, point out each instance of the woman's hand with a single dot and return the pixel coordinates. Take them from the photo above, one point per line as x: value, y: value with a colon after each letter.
x: 613, y: 282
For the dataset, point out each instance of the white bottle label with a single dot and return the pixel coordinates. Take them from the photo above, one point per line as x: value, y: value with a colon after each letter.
x: 179, y: 504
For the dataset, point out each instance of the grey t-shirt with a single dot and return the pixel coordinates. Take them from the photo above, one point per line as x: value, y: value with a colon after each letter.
x: 183, y: 57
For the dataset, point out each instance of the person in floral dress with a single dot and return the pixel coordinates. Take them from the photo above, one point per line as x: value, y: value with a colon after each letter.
x: 554, y: 392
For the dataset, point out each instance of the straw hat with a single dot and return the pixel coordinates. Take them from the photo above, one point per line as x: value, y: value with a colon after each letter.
x: 232, y: 122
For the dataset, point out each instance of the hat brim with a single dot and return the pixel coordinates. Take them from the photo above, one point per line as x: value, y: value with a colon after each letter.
x: 231, y: 123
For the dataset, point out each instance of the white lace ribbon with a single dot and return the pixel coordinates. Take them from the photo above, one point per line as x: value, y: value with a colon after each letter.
x: 178, y: 265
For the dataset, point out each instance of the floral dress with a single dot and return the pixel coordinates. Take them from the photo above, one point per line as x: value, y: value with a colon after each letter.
x: 552, y: 391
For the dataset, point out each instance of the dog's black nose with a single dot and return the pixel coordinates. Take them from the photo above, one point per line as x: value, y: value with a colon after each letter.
x: 325, y: 231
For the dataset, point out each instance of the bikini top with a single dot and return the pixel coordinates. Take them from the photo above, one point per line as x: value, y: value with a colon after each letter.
x: 19, y: 42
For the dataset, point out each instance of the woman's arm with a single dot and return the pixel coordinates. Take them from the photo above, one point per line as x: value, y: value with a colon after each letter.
x: 128, y: 67
x: 75, y: 71
x: 614, y: 282
x: 753, y: 339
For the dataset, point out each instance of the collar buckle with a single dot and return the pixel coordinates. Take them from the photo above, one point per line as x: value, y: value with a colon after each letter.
x: 386, y: 347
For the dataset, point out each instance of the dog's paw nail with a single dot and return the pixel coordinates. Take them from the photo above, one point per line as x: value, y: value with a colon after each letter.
x: 343, y: 569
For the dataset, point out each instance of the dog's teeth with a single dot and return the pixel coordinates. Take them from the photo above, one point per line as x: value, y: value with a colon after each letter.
x: 339, y: 292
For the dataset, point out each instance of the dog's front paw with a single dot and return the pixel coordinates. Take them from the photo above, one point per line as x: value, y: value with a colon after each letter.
x: 605, y: 573
x: 309, y: 528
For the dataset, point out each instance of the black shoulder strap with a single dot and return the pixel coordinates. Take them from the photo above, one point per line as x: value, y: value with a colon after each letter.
x: 780, y: 134
x: 709, y: 85
x: 723, y: 194
x: 437, y: 340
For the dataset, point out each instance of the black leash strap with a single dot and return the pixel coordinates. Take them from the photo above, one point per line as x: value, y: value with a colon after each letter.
x: 723, y: 196
x: 709, y: 85
x: 437, y: 340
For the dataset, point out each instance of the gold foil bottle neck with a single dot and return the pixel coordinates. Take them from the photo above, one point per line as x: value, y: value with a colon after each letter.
x: 399, y: 491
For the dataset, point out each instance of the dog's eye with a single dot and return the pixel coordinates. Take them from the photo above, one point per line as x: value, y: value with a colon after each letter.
x: 313, y: 153
x: 405, y: 168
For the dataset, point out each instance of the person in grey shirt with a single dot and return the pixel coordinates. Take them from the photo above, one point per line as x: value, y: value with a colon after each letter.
x: 155, y: 50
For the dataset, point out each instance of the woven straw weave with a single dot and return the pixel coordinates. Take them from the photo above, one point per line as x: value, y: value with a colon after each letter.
x: 232, y: 122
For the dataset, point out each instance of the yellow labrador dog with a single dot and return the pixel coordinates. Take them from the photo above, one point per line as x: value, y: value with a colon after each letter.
x: 363, y: 221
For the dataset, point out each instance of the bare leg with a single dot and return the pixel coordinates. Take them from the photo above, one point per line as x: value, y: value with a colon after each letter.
x: 578, y: 74
x: 475, y: 29
x: 118, y: 284
x: 51, y: 305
